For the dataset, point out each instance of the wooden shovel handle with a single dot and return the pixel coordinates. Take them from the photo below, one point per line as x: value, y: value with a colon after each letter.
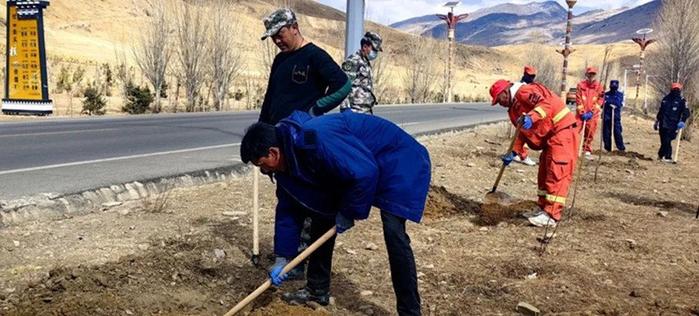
x: 677, y: 150
x: 288, y: 267
x: 502, y: 168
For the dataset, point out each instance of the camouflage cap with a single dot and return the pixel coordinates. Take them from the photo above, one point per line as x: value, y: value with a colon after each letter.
x: 278, y: 19
x: 374, y: 39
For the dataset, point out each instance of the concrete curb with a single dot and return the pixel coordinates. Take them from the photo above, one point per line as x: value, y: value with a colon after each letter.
x: 51, y: 206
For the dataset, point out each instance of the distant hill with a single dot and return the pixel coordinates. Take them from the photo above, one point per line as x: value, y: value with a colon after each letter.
x: 507, y: 24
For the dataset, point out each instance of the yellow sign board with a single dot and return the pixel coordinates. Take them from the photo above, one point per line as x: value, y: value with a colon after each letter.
x: 24, y: 61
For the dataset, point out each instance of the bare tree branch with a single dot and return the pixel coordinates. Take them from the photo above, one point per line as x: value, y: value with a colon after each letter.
x: 419, y: 77
x: 152, y: 51
x: 192, y: 49
x: 225, y: 60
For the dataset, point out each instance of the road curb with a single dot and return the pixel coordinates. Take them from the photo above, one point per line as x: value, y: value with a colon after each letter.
x: 52, y: 206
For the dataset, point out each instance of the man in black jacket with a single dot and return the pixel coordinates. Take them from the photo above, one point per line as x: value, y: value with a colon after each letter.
x: 304, y: 78
x: 672, y: 115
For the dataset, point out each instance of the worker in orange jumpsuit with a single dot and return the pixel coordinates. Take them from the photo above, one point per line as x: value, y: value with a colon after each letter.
x: 589, y: 100
x: 522, y: 152
x: 547, y: 125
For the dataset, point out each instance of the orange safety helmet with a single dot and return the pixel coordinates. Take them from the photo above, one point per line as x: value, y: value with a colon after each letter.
x: 676, y: 85
x: 591, y: 70
x: 530, y: 70
x: 497, y: 88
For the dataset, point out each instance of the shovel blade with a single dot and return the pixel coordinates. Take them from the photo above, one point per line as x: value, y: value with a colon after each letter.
x: 501, y: 198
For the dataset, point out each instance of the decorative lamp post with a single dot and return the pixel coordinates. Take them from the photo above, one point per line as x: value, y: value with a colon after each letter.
x: 567, y: 49
x: 643, y: 43
x: 451, y: 21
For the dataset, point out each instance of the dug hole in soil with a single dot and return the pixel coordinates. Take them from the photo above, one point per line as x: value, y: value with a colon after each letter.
x: 632, y: 247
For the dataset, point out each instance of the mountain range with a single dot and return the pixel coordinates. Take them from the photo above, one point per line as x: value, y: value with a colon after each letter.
x: 542, y: 22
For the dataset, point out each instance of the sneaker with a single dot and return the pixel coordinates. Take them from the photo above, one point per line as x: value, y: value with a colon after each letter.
x: 666, y: 160
x: 526, y: 161
x: 588, y: 155
x: 533, y: 213
x: 542, y: 219
x: 305, y: 295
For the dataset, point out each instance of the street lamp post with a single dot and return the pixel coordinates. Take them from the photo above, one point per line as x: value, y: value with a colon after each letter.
x: 567, y: 50
x: 451, y: 21
x: 643, y: 43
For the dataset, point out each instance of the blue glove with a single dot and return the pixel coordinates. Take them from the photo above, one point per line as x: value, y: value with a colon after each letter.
x: 343, y: 223
x: 526, y: 121
x: 507, y: 159
x: 586, y: 116
x: 655, y: 126
x: 275, y: 272
x: 680, y: 125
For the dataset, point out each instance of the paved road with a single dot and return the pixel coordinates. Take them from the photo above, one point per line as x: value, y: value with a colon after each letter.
x: 73, y: 155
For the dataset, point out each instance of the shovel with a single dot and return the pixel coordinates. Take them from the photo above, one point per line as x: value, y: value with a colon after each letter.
x: 677, y: 150
x: 288, y: 267
x: 494, y: 197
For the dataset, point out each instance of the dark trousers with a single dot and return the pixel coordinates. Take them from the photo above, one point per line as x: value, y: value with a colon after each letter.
x: 607, y: 133
x: 400, y: 258
x: 666, y: 137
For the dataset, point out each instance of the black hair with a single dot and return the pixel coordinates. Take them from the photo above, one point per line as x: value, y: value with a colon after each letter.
x: 258, y: 139
x: 366, y: 41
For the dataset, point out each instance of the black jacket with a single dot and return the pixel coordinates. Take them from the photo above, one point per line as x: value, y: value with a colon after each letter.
x: 672, y: 110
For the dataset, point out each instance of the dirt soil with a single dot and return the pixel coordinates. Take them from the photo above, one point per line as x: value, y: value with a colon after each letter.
x: 631, y: 248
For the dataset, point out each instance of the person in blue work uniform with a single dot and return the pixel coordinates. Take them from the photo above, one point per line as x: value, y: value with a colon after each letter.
x: 613, y: 101
x: 671, y: 118
x: 303, y: 77
x: 334, y: 168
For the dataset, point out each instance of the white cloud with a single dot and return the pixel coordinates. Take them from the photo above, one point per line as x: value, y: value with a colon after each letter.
x: 390, y: 11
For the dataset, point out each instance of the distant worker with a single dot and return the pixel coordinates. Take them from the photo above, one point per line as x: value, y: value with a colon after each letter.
x: 338, y: 166
x: 303, y: 77
x: 358, y: 68
x: 613, y: 102
x: 672, y: 117
x: 519, y: 147
x: 589, y: 98
x: 547, y: 125
x: 529, y: 74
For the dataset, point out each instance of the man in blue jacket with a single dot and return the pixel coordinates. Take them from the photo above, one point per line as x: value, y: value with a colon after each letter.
x: 672, y: 115
x: 337, y: 167
x: 613, y: 101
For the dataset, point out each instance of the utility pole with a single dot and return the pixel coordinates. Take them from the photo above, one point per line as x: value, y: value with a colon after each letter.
x: 643, y: 43
x: 354, y: 28
x: 451, y: 21
x: 567, y: 50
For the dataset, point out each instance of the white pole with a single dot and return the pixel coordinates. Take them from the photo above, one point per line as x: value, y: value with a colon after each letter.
x: 255, y: 212
x: 354, y: 28
x: 645, y: 96
x: 625, y: 71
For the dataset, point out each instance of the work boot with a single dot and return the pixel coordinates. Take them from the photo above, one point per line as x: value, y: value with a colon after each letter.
x: 526, y: 161
x: 305, y: 295
x: 542, y: 219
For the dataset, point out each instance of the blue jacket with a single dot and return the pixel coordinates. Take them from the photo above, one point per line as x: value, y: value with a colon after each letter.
x: 347, y: 163
x: 672, y: 110
x: 616, y: 98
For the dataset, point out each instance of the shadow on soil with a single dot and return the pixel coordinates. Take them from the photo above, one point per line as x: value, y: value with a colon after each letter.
x: 644, y: 201
x: 442, y: 203
x: 203, y: 273
x: 628, y: 154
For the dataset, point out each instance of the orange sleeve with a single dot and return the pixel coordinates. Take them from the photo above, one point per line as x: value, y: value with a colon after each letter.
x: 536, y: 102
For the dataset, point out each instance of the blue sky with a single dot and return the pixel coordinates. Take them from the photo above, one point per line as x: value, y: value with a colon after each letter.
x: 390, y: 11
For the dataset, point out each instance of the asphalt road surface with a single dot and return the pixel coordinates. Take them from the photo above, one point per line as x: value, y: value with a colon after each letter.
x: 73, y: 155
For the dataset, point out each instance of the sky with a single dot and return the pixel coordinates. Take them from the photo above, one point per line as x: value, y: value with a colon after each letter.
x: 391, y: 11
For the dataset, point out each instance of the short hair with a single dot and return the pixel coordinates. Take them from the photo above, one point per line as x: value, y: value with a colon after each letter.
x: 366, y: 41
x: 258, y: 139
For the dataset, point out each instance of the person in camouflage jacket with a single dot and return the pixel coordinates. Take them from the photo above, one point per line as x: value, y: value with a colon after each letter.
x: 357, y: 66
